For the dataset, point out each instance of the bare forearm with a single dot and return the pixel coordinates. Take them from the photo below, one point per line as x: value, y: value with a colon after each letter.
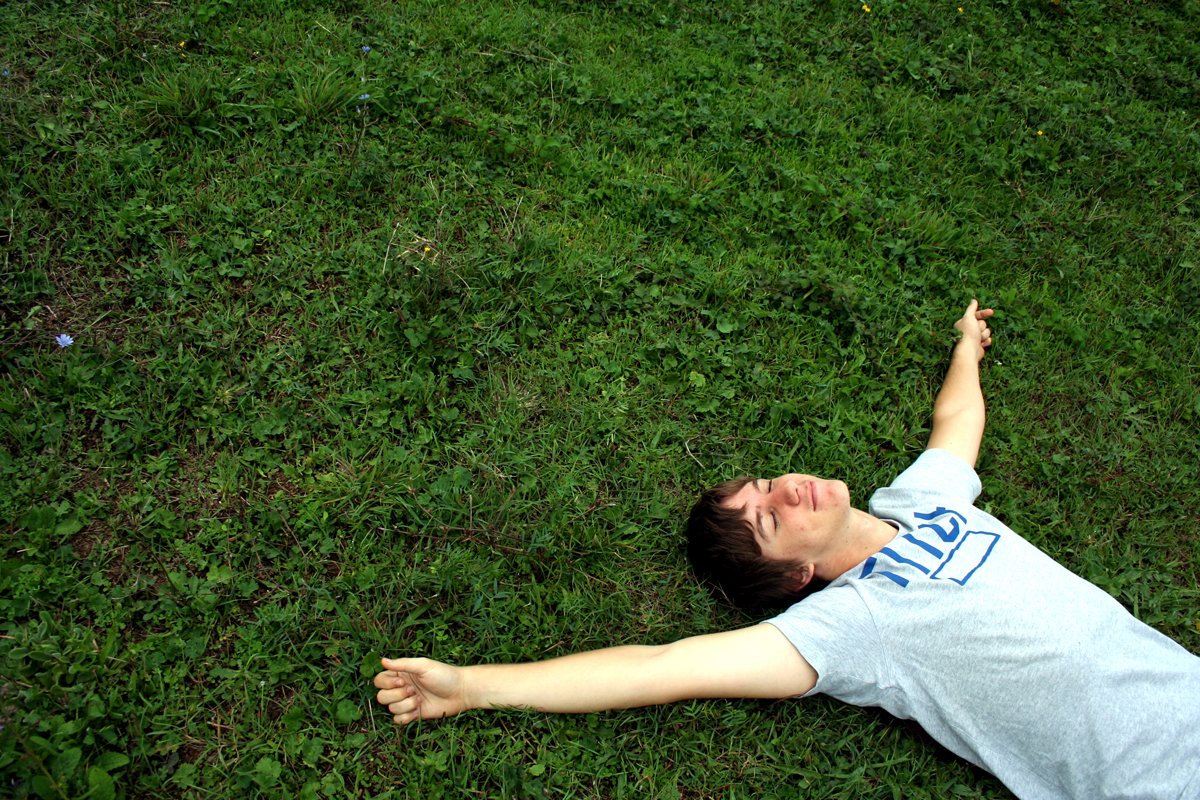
x: 617, y: 677
x: 959, y: 414
x: 960, y: 393
x: 750, y: 662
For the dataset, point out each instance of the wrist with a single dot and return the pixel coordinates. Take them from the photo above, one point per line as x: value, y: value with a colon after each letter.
x: 471, y: 689
x: 967, y: 349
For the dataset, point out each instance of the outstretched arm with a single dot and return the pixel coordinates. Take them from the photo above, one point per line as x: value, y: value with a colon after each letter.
x: 751, y: 662
x: 958, y: 413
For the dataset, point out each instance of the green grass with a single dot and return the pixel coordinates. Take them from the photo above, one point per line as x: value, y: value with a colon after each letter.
x: 437, y: 371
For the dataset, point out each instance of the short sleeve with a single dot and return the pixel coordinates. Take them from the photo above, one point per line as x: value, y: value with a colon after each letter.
x: 834, y: 631
x: 937, y: 472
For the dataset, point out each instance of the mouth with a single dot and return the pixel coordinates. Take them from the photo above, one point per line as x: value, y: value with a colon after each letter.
x: 812, y: 494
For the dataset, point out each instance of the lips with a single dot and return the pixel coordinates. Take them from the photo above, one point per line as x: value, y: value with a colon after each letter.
x: 812, y: 494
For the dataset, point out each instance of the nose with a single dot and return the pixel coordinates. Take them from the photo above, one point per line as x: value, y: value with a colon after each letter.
x: 788, y: 489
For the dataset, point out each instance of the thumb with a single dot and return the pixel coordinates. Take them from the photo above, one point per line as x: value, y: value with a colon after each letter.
x: 417, y: 666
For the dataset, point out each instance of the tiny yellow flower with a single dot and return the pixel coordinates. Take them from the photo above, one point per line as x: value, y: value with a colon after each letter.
x: 428, y: 248
x: 1039, y: 133
x: 183, y: 43
x: 960, y: 10
x: 867, y: 9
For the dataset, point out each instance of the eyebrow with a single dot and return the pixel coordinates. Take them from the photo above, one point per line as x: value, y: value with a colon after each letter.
x: 762, y: 533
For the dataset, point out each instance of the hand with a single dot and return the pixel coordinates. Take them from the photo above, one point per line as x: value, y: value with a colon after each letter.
x: 419, y: 688
x: 976, y: 336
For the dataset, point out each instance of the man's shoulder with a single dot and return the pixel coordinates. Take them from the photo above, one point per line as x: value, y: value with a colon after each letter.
x: 935, y: 473
x: 831, y: 603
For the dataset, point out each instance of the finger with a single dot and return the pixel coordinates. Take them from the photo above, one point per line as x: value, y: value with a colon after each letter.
x: 385, y: 680
x: 407, y: 717
x: 406, y: 706
x: 971, y: 307
x: 386, y: 697
x: 984, y: 313
x: 403, y: 664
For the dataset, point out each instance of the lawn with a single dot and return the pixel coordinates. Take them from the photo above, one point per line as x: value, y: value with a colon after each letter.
x: 415, y: 328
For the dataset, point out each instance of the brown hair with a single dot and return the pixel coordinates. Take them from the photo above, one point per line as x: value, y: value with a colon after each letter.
x: 726, y: 557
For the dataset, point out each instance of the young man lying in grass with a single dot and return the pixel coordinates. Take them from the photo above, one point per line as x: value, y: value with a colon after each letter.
x: 930, y: 609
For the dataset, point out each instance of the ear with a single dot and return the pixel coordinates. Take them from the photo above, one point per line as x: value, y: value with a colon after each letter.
x: 799, y: 578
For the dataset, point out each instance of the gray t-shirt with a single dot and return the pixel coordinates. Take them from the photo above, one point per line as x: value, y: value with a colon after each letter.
x: 1001, y: 654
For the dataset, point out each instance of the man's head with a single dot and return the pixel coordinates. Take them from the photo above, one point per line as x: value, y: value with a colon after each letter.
x: 759, y: 542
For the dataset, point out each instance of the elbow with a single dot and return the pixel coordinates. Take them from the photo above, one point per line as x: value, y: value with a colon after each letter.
x: 969, y: 416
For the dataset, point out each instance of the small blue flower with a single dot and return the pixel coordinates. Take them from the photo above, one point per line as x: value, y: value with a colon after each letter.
x: 366, y: 48
x: 63, y: 340
x: 4, y: 73
x: 364, y: 96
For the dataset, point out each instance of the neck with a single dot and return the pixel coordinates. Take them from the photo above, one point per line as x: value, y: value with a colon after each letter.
x: 863, y: 536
